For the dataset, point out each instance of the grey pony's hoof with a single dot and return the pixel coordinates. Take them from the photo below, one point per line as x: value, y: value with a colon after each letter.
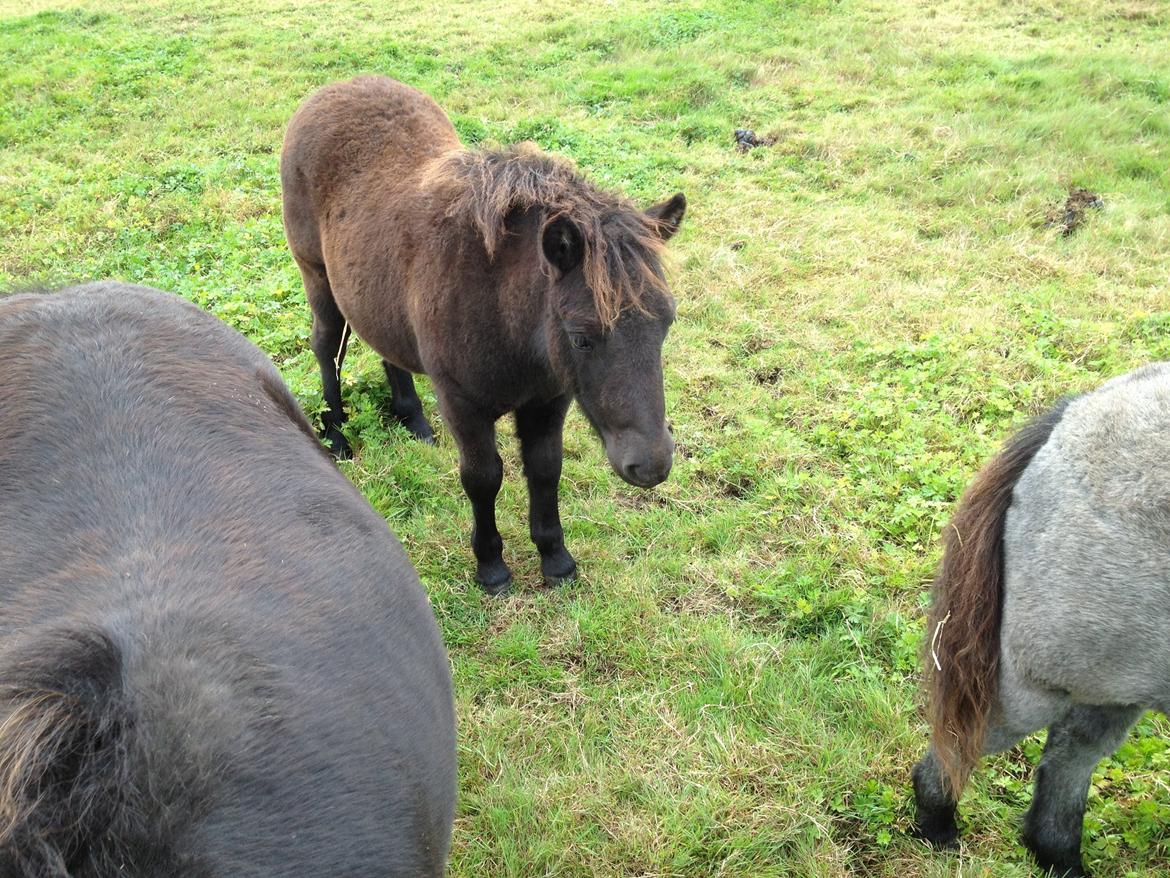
x: 1056, y: 864
x: 942, y: 836
x: 935, y: 813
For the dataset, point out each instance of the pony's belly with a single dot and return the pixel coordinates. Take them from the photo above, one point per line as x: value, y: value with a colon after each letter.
x: 377, y: 322
x: 404, y: 360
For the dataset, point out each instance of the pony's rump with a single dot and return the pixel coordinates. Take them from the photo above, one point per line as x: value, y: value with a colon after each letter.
x: 963, y: 638
x: 196, y: 678
x: 63, y: 730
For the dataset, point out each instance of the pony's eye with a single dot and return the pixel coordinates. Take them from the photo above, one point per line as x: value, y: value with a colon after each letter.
x: 580, y: 341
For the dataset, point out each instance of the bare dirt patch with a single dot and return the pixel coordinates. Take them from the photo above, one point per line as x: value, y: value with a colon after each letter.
x: 1069, y: 217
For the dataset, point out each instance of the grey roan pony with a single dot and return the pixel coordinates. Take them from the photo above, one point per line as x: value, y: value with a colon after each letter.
x: 504, y: 275
x: 1052, y: 608
x: 215, y: 659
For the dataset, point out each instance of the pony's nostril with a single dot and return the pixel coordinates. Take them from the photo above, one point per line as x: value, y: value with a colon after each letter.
x: 644, y: 474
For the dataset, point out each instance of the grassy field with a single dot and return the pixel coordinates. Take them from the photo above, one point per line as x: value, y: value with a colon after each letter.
x: 866, y: 308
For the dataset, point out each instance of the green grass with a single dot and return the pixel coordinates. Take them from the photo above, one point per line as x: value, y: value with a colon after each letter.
x: 866, y: 308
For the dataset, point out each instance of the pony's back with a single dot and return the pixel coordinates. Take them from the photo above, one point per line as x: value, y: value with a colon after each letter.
x: 214, y: 658
x: 371, y: 133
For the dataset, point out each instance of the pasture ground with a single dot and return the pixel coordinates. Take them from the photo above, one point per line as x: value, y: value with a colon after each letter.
x: 866, y: 308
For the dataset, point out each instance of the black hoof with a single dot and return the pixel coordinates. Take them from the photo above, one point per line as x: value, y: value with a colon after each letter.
x: 338, y: 445
x: 494, y: 578
x: 558, y: 569
x: 1058, y: 864
x: 558, y: 581
x: 934, y: 810
x: 1062, y: 868
x: 941, y: 834
x: 420, y: 429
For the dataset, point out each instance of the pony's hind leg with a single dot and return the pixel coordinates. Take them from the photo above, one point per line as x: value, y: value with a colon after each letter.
x: 936, y: 806
x: 1021, y: 708
x: 935, y: 803
x: 1076, y: 743
x: 329, y: 341
x: 405, y: 404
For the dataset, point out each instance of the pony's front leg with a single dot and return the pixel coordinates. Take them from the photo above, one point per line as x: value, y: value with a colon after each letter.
x: 539, y: 428
x: 481, y: 471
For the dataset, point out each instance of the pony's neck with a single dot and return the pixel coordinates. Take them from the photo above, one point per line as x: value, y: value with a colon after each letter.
x: 509, y: 258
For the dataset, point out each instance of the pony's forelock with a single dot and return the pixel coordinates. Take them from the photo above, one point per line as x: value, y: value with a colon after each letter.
x: 622, y: 258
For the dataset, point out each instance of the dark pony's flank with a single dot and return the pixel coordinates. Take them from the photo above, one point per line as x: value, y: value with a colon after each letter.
x: 623, y: 247
x: 963, y: 628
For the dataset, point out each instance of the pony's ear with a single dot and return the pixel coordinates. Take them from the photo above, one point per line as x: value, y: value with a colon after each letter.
x: 562, y: 244
x: 668, y: 215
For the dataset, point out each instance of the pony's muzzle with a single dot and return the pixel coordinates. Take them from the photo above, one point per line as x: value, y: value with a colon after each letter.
x: 641, y: 462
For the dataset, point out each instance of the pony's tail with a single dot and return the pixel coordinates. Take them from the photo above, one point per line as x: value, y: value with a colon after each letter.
x: 962, y: 646
x: 64, y: 727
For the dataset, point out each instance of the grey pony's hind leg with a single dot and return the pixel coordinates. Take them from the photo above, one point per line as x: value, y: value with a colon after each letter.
x: 405, y: 404
x: 329, y: 341
x: 935, y: 804
x: 1076, y: 743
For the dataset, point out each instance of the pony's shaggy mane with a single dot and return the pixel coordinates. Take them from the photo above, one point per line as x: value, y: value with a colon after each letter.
x: 623, y: 246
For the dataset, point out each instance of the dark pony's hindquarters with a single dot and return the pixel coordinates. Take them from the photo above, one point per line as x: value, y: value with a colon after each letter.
x: 215, y: 659
x: 61, y: 705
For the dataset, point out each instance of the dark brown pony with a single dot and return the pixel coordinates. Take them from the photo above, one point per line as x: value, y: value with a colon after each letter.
x: 504, y: 275
x: 215, y: 660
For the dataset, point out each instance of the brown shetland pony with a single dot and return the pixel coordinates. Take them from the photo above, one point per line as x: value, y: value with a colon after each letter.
x: 504, y: 275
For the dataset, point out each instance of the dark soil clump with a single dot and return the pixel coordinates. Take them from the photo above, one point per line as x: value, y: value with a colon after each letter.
x: 1069, y: 216
x: 746, y: 139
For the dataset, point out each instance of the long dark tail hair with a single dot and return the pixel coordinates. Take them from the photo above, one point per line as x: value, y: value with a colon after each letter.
x: 64, y: 724
x: 962, y: 647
